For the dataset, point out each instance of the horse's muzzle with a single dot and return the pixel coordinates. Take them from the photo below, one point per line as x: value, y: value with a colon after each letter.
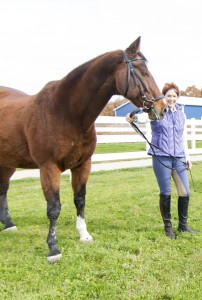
x: 154, y: 115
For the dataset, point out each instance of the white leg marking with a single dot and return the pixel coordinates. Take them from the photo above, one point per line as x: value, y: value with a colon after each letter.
x: 85, y: 237
x: 54, y: 258
x: 13, y: 228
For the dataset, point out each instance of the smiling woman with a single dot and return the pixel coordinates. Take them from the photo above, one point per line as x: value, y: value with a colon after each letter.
x: 170, y: 158
x: 172, y: 93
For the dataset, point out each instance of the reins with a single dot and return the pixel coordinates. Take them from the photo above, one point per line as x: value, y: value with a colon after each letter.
x: 152, y: 146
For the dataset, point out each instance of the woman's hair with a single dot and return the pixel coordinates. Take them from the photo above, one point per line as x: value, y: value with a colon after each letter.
x: 170, y: 86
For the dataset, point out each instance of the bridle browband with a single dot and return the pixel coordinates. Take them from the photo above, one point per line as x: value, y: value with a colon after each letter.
x: 138, y: 80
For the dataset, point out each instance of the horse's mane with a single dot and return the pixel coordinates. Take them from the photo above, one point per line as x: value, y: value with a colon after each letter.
x: 80, y: 70
x: 109, y: 59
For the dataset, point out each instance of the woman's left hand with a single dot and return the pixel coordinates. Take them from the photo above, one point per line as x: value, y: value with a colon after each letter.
x: 131, y: 119
x: 189, y: 164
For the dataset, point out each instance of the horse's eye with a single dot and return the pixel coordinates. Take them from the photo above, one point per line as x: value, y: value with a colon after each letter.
x: 144, y: 72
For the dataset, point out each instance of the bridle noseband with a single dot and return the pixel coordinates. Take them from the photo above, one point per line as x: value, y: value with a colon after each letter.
x: 137, y: 80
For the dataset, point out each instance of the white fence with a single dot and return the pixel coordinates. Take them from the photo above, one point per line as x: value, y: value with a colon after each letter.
x: 118, y: 130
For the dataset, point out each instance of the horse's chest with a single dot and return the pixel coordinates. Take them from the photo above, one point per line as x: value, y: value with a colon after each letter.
x: 77, y: 152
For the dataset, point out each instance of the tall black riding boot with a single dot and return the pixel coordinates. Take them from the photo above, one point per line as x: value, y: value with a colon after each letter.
x: 165, y: 212
x: 183, y: 203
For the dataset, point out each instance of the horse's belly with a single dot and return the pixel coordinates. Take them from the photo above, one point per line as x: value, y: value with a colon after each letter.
x: 15, y: 155
x: 16, y: 162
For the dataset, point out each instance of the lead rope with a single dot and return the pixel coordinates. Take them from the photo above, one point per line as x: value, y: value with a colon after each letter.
x: 154, y: 146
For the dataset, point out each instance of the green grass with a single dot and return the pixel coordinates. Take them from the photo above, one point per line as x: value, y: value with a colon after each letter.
x: 128, y: 147
x: 198, y: 144
x: 119, y: 147
x: 130, y: 259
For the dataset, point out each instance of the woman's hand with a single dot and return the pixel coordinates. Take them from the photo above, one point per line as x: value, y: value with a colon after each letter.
x: 131, y: 120
x: 189, y: 164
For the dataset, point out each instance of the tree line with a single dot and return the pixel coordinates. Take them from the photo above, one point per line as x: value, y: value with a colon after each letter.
x: 191, y: 91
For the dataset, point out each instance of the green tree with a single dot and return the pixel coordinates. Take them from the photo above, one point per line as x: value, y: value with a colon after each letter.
x: 192, y: 91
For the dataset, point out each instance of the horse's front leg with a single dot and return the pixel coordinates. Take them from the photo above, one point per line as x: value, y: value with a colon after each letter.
x: 79, y: 180
x: 50, y: 181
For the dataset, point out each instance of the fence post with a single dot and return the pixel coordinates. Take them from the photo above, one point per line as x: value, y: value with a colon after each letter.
x: 193, y: 133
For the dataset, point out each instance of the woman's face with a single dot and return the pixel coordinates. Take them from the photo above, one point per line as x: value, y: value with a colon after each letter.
x: 171, y: 98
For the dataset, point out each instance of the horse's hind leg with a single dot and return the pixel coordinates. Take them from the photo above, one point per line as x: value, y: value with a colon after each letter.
x: 5, y: 174
x: 79, y: 179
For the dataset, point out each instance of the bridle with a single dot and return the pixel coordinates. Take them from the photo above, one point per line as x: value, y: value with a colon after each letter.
x: 138, y: 80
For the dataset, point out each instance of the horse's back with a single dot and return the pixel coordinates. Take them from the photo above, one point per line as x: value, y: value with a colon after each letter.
x: 12, y: 101
x: 16, y: 109
x: 7, y: 92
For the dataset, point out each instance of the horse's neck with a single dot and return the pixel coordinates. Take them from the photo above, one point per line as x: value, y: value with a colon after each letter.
x: 85, y: 94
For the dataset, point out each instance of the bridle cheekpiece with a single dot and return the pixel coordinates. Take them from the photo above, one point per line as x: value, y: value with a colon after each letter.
x: 138, y: 80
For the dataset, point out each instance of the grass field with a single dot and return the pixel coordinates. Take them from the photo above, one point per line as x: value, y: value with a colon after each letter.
x: 130, y: 258
x: 119, y: 147
x: 127, y: 147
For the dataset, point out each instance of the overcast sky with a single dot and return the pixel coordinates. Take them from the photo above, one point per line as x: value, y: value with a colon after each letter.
x: 43, y: 40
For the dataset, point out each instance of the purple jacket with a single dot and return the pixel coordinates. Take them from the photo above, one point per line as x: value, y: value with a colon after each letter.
x: 167, y: 133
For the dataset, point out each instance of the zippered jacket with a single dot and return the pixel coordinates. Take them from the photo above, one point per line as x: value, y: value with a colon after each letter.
x: 167, y: 133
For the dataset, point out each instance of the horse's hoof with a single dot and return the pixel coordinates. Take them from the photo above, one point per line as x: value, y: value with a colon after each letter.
x: 52, y: 259
x: 13, y: 228
x: 87, y: 239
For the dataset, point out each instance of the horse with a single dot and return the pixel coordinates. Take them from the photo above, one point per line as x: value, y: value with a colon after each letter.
x: 54, y: 130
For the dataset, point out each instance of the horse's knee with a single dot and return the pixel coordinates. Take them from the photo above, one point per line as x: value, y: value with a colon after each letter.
x: 53, y: 209
x: 79, y: 198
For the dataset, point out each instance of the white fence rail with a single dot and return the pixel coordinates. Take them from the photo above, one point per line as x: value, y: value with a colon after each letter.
x: 118, y: 130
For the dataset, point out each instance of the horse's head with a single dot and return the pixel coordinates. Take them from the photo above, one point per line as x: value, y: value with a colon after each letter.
x: 135, y: 82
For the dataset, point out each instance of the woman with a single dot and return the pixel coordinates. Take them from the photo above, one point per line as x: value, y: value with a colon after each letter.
x: 169, y: 135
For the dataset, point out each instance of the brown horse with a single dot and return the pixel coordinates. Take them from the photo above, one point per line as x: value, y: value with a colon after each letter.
x: 54, y: 129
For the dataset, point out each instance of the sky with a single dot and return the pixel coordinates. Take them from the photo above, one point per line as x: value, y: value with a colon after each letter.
x: 43, y: 40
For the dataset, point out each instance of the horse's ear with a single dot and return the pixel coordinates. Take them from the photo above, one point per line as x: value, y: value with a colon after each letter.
x: 134, y: 47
